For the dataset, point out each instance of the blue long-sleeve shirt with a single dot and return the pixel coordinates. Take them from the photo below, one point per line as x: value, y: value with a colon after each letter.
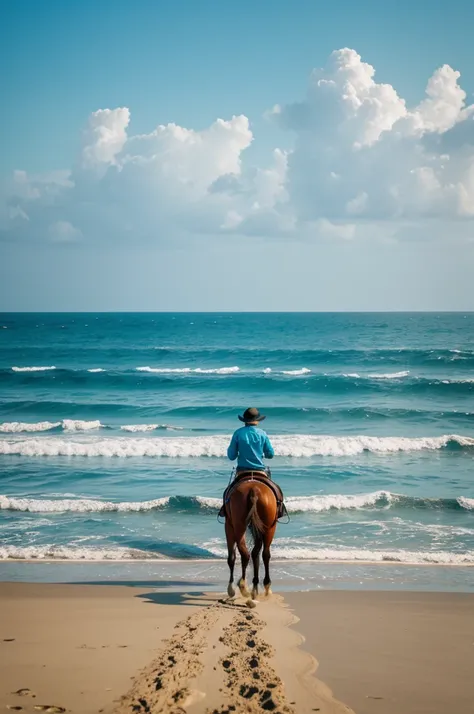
x: 249, y: 445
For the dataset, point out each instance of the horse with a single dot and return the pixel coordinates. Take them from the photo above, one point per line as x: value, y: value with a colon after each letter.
x: 252, y: 505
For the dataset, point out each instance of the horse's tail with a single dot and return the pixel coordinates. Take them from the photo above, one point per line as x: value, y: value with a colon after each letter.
x: 253, y: 520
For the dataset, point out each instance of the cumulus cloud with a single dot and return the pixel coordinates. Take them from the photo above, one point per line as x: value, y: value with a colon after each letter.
x: 105, y: 136
x: 359, y: 157
x: 360, y: 151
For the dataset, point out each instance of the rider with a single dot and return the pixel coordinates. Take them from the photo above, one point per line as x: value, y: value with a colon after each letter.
x: 249, y: 445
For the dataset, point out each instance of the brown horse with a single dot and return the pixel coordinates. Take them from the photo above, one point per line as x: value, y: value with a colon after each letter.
x: 252, y: 505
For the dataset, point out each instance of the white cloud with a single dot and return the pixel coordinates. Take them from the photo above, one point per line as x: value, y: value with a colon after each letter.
x: 360, y: 151
x: 360, y: 157
x: 105, y: 136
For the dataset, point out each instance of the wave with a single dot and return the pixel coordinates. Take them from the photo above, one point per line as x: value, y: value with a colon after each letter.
x: 32, y: 369
x: 129, y: 411
x: 389, y: 375
x: 188, y: 370
x: 266, y: 379
x: 64, y: 552
x: 282, y: 551
x: 72, y: 425
x: 15, y: 427
x: 295, y: 504
x: 150, y: 427
x: 297, y: 446
x: 279, y: 552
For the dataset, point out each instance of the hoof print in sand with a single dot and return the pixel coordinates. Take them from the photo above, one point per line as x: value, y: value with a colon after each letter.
x: 49, y: 708
x: 24, y: 692
x: 163, y: 686
x: 250, y: 679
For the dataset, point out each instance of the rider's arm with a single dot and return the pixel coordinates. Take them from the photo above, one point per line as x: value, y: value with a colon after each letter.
x: 268, y: 448
x: 233, y: 449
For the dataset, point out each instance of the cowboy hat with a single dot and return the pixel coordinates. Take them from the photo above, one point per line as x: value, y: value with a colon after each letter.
x: 251, y: 414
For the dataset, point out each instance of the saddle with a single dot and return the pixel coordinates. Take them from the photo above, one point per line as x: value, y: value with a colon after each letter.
x: 262, y: 477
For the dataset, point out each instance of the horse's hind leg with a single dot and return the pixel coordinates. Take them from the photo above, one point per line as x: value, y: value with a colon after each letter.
x: 267, y: 582
x: 229, y: 532
x: 256, y: 564
x: 245, y: 557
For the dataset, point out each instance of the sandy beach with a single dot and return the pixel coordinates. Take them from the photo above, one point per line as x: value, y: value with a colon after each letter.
x: 117, y: 649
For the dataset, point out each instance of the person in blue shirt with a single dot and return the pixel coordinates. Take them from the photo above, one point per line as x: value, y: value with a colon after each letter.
x: 249, y: 446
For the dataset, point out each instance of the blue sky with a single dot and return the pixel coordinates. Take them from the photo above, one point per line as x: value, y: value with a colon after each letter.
x: 344, y: 201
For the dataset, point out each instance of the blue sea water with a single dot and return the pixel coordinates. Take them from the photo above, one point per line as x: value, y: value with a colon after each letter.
x: 114, y: 427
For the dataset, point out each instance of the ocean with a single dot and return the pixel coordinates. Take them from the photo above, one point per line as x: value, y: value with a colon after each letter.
x: 114, y: 428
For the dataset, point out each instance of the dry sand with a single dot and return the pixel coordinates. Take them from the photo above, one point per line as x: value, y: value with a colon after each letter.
x: 116, y: 649
x: 88, y: 649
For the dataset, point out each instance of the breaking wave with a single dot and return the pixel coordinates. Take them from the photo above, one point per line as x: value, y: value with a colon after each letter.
x: 295, y: 504
x: 60, y: 552
x: 32, y: 369
x: 188, y: 370
x: 71, y: 425
x: 297, y: 446
x: 279, y: 552
x: 16, y: 427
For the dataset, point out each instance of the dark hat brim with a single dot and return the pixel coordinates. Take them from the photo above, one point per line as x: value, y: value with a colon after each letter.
x: 259, y: 418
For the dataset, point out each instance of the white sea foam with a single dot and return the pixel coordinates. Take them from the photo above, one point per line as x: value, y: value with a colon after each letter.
x: 221, y: 370
x: 209, y: 502
x: 318, y: 504
x: 164, y: 370
x: 78, y: 505
x: 69, y: 425
x: 295, y: 504
x: 15, y: 427
x: 417, y: 557
x: 279, y: 551
x: 298, y: 445
x: 149, y: 427
x: 96, y: 369
x: 188, y: 370
x: 32, y: 369
x: 296, y: 372
x: 390, y: 375
x: 79, y: 425
x: 267, y: 370
x: 72, y: 552
x: 282, y: 551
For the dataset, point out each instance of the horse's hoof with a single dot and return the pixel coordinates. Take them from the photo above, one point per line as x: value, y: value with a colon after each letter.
x: 268, y: 591
x: 230, y: 590
x: 251, y: 603
x: 254, y: 593
x: 244, y: 591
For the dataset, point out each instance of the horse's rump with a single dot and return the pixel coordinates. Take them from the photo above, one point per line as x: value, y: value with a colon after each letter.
x: 252, y: 503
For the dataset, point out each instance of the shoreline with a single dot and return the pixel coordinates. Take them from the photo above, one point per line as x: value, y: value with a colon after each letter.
x: 276, y: 561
